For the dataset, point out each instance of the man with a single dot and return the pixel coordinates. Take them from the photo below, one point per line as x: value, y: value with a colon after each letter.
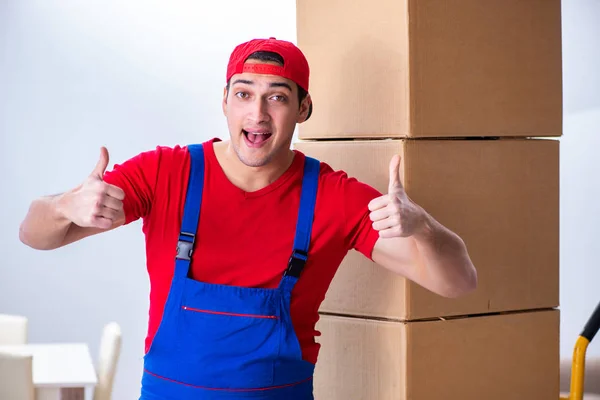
x: 244, y: 236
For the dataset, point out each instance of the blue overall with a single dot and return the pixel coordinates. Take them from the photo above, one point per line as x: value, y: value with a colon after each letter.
x: 229, y: 342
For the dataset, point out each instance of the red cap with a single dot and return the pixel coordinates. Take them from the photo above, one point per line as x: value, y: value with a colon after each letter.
x: 295, y: 66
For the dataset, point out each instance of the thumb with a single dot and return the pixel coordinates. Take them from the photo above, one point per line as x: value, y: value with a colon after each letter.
x: 98, y: 171
x: 394, y: 174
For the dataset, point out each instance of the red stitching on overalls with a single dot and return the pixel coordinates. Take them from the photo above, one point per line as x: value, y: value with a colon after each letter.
x: 228, y: 313
x: 229, y: 390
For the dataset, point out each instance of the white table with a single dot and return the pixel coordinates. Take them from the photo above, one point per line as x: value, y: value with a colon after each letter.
x: 61, y: 371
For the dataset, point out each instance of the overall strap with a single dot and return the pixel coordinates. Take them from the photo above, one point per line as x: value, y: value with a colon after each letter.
x: 191, y: 211
x: 308, y: 199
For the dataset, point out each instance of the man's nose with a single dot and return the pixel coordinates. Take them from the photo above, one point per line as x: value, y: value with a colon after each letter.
x: 260, y: 111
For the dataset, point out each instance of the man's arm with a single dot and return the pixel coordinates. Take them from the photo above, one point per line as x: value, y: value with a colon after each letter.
x: 436, y: 259
x: 92, y: 207
x: 413, y: 244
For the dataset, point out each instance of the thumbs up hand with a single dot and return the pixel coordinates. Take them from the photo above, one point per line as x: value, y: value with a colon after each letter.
x: 395, y: 214
x: 95, y: 203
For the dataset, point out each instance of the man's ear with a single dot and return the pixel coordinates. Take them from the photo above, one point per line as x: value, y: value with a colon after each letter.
x: 224, y: 104
x: 304, y: 108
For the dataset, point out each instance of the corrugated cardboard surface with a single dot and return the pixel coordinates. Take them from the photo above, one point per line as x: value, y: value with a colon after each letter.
x: 498, y: 357
x: 432, y: 68
x: 500, y: 196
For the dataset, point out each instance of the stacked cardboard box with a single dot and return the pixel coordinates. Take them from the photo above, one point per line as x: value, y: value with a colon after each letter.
x: 469, y: 93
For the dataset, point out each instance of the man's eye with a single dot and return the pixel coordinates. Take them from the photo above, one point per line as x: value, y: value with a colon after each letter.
x: 242, y: 95
x: 278, y: 98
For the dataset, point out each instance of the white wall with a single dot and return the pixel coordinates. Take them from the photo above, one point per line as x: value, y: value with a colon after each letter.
x: 134, y: 75
x: 580, y: 222
x: 580, y: 166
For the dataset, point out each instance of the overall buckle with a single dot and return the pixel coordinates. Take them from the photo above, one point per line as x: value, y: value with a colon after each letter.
x: 185, y: 246
x: 296, y: 263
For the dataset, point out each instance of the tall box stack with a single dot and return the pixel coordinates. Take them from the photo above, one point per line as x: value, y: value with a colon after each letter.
x: 469, y: 93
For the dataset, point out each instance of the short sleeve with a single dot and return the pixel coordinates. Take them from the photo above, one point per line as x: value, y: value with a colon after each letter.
x: 359, y: 228
x: 137, y: 178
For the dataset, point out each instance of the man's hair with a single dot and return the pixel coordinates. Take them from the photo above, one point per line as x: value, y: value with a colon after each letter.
x: 274, y: 57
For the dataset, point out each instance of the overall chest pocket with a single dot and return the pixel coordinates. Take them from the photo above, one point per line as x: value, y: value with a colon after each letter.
x: 231, y: 335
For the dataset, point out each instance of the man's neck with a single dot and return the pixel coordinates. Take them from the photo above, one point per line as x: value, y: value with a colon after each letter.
x: 250, y: 179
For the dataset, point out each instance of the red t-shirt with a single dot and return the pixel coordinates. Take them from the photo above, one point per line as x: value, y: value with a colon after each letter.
x: 243, y: 238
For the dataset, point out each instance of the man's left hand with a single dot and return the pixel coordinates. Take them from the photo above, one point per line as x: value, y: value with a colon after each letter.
x: 394, y: 214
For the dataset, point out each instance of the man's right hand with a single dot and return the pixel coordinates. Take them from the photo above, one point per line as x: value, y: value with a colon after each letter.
x: 95, y: 203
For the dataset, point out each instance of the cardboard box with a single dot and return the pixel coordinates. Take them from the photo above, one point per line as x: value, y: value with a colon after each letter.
x: 432, y: 68
x: 498, y: 357
x: 500, y: 196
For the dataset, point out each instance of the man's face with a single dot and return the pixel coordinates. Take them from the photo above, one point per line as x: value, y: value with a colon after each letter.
x: 262, y: 112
